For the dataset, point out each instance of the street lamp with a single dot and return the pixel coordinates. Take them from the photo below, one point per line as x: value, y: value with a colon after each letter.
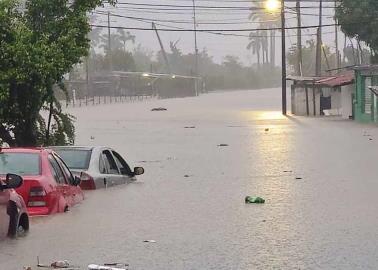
x: 272, y: 5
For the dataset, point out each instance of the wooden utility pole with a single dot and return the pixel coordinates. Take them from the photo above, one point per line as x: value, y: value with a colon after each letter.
x: 195, y: 45
x: 109, y: 45
x: 283, y: 35
x: 299, y: 40
x: 337, y: 42
x: 318, y: 70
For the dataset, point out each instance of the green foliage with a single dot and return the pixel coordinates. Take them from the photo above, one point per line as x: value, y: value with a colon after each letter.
x: 308, y: 53
x: 358, y: 19
x: 38, y: 46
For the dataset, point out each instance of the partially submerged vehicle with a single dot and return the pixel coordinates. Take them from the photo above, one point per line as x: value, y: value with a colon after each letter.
x: 49, y: 186
x: 97, y: 166
x: 14, y: 219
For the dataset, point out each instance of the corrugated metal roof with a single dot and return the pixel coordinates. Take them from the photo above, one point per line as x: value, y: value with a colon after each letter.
x: 346, y: 78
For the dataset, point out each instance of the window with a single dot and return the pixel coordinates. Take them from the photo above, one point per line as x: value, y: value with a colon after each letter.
x: 56, y: 171
x: 75, y: 158
x: 20, y: 163
x: 101, y: 165
x: 368, y: 96
x: 67, y: 173
x: 110, y: 164
x: 122, y: 165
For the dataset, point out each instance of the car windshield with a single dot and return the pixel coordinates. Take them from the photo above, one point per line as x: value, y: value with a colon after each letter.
x: 20, y: 163
x: 75, y: 158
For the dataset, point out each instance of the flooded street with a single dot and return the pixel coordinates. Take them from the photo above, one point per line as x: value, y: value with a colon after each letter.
x: 318, y: 176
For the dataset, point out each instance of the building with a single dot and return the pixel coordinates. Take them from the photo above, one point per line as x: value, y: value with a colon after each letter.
x: 317, y: 96
x: 365, y: 96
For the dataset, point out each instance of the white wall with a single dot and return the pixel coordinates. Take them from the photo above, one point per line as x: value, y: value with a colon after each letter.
x: 346, y: 101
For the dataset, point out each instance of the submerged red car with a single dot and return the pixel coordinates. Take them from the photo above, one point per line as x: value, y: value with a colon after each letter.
x: 49, y: 186
x: 14, y: 219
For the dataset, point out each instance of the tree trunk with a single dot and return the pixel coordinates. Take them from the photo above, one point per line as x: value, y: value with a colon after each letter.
x: 272, y: 48
x: 258, y: 58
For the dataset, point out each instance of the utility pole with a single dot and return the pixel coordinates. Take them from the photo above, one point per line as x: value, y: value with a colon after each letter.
x: 299, y: 40
x: 319, y: 41
x: 162, y: 49
x: 283, y: 35
x: 109, y: 45
x: 337, y: 42
x: 195, y: 46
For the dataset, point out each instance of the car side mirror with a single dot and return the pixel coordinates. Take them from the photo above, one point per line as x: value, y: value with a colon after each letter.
x: 77, y: 181
x: 13, y: 181
x: 138, y: 170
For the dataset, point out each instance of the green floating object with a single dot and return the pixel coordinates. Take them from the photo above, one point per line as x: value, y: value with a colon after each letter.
x: 250, y: 199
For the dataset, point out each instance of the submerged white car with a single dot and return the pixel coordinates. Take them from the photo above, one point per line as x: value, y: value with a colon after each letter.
x: 97, y: 166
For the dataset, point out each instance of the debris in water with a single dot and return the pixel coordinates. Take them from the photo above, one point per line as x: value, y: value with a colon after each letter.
x: 149, y: 241
x: 107, y: 267
x: 267, y: 129
x: 222, y: 145
x: 287, y: 171
x: 60, y: 264
x: 250, y: 199
x: 92, y: 137
x: 190, y: 127
x: 159, y: 109
x: 298, y: 178
x: 370, y: 139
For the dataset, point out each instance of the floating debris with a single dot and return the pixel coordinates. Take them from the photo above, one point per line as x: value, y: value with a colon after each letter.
x: 298, y: 178
x: 190, y: 127
x: 108, y: 267
x: 222, y: 145
x: 92, y: 137
x: 267, y: 129
x: 257, y: 200
x: 287, y: 171
x: 149, y: 241
x: 160, y: 109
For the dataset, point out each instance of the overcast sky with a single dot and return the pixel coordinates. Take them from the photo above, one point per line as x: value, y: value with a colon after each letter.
x: 234, y: 15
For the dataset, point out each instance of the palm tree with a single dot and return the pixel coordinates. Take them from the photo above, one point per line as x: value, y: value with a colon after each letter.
x: 255, y: 45
x: 267, y: 20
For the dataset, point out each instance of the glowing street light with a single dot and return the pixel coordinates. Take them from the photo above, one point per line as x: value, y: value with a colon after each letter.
x: 146, y: 75
x: 272, y: 5
x: 173, y: 77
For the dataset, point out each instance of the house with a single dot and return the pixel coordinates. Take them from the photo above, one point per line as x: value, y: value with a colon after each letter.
x: 316, y: 96
x: 365, y: 96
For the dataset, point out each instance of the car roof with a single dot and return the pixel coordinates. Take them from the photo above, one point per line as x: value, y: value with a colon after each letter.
x: 76, y: 147
x: 35, y: 150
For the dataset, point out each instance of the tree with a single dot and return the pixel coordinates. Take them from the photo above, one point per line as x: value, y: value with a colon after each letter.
x: 308, y: 52
x: 255, y: 45
x: 38, y: 47
x: 358, y: 20
x: 266, y: 20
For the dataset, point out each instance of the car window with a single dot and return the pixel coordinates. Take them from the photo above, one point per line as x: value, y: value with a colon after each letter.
x: 121, y: 163
x: 101, y: 166
x: 109, y: 162
x: 75, y: 158
x: 67, y: 173
x: 56, y: 171
x: 20, y: 163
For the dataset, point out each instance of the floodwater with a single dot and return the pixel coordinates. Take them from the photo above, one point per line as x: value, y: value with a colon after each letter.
x: 318, y: 177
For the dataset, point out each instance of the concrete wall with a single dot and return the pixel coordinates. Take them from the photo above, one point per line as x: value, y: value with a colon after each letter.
x: 299, y: 102
x: 346, y: 101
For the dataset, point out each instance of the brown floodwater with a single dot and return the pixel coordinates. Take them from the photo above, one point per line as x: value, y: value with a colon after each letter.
x: 318, y: 176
